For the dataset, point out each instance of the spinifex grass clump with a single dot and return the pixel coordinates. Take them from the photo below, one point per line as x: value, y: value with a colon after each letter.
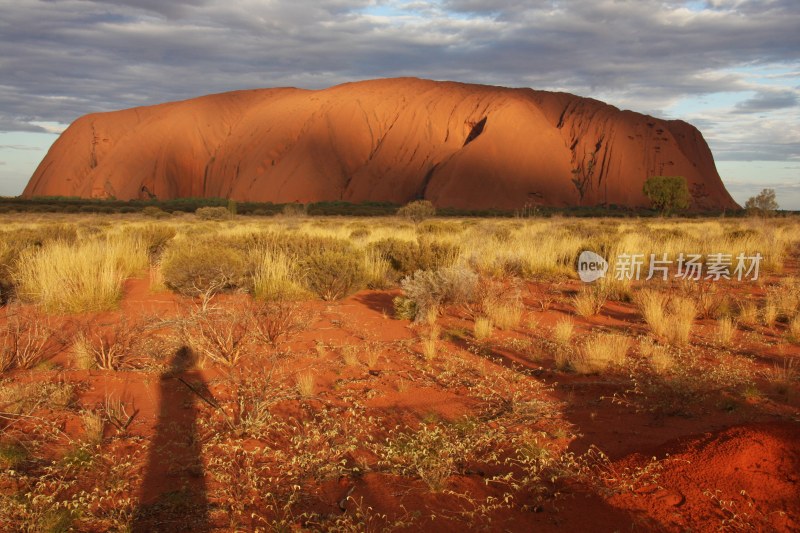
x: 600, y: 352
x: 276, y: 277
x: 73, y: 278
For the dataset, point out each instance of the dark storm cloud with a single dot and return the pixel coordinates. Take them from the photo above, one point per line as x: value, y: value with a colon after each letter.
x: 65, y: 58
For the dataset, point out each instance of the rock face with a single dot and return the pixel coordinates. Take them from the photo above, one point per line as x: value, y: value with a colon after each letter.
x: 394, y: 140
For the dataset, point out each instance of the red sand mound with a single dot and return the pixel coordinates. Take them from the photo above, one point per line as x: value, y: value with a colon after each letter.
x: 458, y: 145
x: 744, y: 478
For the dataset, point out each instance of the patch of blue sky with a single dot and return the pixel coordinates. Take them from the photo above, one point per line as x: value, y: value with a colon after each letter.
x: 696, y: 105
x: 20, y: 154
x: 745, y: 179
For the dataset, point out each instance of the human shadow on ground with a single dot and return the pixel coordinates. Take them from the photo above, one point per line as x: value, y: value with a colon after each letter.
x: 173, y: 492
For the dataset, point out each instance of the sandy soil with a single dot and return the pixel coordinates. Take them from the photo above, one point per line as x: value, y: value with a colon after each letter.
x: 718, y: 461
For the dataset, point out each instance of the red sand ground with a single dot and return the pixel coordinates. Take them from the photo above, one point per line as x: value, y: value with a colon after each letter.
x: 733, y: 468
x: 392, y: 140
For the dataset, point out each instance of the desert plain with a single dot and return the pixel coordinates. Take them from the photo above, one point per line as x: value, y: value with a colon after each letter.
x: 176, y: 372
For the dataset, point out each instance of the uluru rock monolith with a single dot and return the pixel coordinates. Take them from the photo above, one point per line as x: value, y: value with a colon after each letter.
x: 390, y: 140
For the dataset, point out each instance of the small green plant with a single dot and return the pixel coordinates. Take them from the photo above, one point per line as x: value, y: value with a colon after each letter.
x: 12, y: 456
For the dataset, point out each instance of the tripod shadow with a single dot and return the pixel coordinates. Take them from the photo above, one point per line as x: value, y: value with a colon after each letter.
x: 173, y: 493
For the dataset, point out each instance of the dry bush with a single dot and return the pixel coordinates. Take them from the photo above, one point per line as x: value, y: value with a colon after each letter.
x: 657, y: 356
x: 680, y: 319
x: 202, y: 268
x: 500, y: 300
x: 793, y: 330
x: 417, y: 211
x: 427, y: 289
x: 276, y: 277
x: 220, y: 334
x: 429, y: 346
x: 601, y: 351
x: 652, y: 304
x: 710, y: 302
x: 376, y: 270
x: 785, y: 298
x: 26, y: 398
x: 334, y: 274
x: 482, y: 328
x: 747, y: 314
x: 93, y: 426
x: 77, y: 278
x: 588, y: 302
x: 373, y: 351
x: 563, y: 331
x: 504, y: 315
x: 407, y: 257
x: 113, y: 347
x: 152, y: 211
x: 350, y: 355
x: 725, y: 330
x: 213, y: 213
x: 155, y: 237
x: 26, y: 340
x: 276, y: 322
x: 770, y: 313
x: 669, y: 318
x: 305, y: 384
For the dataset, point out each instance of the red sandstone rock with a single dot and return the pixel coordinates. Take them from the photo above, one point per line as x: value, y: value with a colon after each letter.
x: 458, y: 145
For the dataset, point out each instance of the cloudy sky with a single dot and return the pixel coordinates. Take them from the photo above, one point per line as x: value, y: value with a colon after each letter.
x: 730, y: 67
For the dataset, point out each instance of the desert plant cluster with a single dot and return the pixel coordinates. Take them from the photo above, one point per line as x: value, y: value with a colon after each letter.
x: 221, y: 372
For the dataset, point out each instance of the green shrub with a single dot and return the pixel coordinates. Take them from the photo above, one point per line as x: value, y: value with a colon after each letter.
x: 334, y: 274
x: 667, y: 193
x: 212, y: 213
x: 204, y: 267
